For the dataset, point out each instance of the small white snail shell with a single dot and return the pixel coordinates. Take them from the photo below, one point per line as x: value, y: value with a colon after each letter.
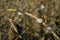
x: 42, y: 7
x: 19, y: 13
x: 49, y: 28
x: 39, y: 20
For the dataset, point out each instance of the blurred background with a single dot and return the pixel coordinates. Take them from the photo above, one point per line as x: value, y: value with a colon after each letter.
x: 29, y: 19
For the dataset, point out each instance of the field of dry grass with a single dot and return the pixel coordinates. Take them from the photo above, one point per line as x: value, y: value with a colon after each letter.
x: 29, y: 19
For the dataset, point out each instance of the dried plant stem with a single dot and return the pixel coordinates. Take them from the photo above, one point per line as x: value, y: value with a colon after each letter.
x: 30, y: 15
x: 10, y: 10
x: 12, y: 25
x: 55, y: 35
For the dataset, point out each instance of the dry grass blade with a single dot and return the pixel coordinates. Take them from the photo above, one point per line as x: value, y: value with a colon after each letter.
x: 55, y: 35
x: 11, y: 10
x: 28, y: 14
x: 12, y: 25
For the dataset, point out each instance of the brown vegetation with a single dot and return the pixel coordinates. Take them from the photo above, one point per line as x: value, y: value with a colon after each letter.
x: 25, y: 27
